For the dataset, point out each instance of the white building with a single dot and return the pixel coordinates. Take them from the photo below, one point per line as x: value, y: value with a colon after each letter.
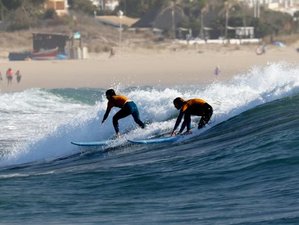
x: 287, y: 6
x: 95, y: 2
x: 111, y: 5
x: 272, y: 3
x: 106, y: 4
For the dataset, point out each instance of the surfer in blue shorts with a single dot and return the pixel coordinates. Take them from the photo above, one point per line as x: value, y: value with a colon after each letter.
x: 127, y: 107
x: 197, y: 107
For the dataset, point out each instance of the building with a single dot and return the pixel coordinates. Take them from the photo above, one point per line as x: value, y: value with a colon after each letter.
x: 111, y: 5
x: 286, y: 6
x: 60, y: 6
x: 96, y: 3
x: 49, y: 41
x: 106, y: 4
x: 272, y: 3
x: 117, y: 21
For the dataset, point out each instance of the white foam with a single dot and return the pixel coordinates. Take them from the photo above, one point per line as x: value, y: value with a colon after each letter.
x: 47, y: 123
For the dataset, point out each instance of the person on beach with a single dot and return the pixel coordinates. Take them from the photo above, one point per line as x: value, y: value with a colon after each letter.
x: 18, y: 76
x: 197, y: 107
x: 260, y: 50
x: 112, y: 53
x: 1, y: 76
x: 127, y: 107
x: 9, y: 76
x: 217, y: 71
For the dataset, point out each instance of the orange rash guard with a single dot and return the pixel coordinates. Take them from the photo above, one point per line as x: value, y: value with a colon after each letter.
x: 117, y: 101
x: 195, y: 105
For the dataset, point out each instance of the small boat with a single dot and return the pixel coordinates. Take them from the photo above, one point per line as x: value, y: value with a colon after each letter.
x: 48, y: 54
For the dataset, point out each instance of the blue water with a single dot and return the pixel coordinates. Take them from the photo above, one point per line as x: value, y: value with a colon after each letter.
x: 241, y: 169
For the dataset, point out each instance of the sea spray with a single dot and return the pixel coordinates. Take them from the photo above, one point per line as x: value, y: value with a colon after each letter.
x: 39, y: 124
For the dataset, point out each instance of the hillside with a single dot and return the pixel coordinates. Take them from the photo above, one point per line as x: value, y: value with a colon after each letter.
x: 101, y: 38
x: 95, y: 36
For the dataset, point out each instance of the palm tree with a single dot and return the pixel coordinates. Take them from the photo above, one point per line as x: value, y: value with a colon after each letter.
x: 197, y: 9
x: 228, y: 5
x: 3, y: 10
x: 204, y: 5
x: 173, y: 6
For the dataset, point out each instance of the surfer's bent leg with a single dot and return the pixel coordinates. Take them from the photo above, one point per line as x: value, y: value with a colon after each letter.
x: 135, y: 113
x: 124, y: 112
x: 208, y: 112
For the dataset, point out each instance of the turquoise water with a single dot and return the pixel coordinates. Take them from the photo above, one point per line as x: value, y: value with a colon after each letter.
x: 241, y: 169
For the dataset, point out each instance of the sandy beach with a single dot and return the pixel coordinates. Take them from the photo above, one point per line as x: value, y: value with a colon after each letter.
x: 138, y: 67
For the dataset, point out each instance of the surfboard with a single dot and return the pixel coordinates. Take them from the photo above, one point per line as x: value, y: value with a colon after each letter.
x: 154, y: 140
x: 91, y: 143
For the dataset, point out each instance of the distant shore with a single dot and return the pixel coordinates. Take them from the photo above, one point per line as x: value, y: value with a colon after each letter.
x: 139, y: 67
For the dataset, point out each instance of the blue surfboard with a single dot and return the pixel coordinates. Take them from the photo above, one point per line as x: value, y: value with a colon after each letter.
x: 91, y: 143
x: 154, y: 140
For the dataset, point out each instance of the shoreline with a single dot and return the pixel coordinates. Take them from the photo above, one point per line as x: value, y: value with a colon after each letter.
x: 141, y: 67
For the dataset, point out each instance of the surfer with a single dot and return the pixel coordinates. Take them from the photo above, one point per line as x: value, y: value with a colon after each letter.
x: 197, y: 107
x: 127, y: 106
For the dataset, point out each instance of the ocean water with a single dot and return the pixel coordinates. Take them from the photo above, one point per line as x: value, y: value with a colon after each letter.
x: 240, y: 169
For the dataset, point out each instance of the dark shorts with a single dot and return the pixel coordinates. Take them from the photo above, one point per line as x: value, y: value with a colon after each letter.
x: 207, y: 114
x: 129, y: 108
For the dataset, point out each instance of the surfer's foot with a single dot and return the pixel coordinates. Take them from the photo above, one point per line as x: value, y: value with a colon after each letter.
x: 187, y: 132
x: 117, y: 135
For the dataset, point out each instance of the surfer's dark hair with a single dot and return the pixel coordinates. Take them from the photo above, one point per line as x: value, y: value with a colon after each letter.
x: 110, y: 92
x: 178, y: 101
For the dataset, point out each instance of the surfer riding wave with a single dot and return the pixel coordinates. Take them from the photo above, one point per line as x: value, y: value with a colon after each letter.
x: 128, y: 107
x: 197, y: 107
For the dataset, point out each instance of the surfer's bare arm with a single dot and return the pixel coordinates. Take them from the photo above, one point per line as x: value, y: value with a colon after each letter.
x: 177, y: 123
x: 106, y: 114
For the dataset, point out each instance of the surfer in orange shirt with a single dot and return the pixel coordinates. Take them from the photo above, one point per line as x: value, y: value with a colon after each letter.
x: 128, y: 107
x: 197, y: 107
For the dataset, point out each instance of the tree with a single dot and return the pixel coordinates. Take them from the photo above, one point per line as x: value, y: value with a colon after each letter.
x: 195, y: 10
x: 11, y: 4
x: 137, y: 8
x: 274, y: 23
x: 2, y: 9
x: 15, y: 4
x: 173, y: 6
x: 84, y: 6
x: 21, y: 14
x: 296, y: 19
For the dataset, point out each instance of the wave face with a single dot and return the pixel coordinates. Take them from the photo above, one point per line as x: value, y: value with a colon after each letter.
x: 240, y: 169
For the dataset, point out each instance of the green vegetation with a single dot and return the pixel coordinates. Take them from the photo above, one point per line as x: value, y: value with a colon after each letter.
x: 82, y: 6
x: 199, y: 14
x: 20, y: 14
x: 137, y: 8
x: 218, y: 15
